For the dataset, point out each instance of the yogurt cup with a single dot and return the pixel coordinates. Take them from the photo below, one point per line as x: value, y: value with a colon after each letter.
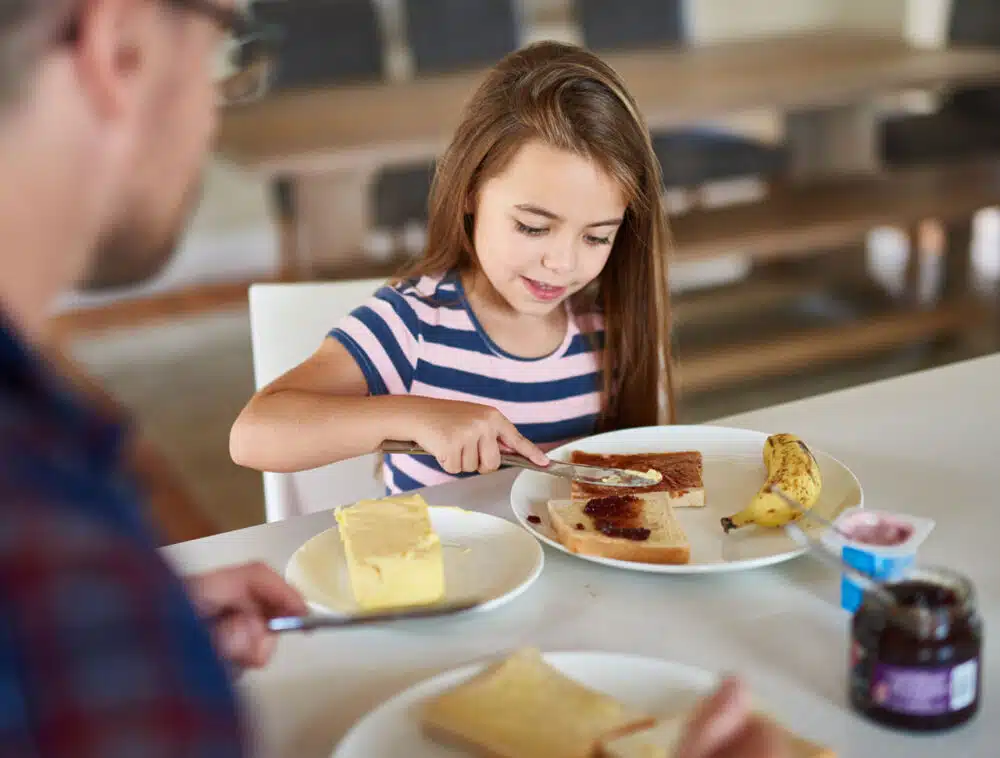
x: 881, y: 544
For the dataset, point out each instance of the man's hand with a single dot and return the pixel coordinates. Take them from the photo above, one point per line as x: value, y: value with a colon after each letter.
x: 238, y: 602
x: 724, y: 727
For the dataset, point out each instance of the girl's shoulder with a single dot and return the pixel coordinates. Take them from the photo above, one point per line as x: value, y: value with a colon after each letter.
x: 436, y: 290
x: 424, y: 298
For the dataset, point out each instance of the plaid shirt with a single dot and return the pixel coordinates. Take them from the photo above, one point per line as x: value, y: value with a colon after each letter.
x: 101, y: 652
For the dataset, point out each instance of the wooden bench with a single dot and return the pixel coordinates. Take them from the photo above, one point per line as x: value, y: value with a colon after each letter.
x: 793, y: 220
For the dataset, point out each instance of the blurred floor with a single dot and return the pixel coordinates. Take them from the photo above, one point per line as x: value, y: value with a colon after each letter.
x: 187, y: 381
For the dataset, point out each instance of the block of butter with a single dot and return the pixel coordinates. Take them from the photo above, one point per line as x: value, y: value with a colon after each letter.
x: 393, y: 555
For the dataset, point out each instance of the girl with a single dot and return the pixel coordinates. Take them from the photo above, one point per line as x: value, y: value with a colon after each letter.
x: 538, y: 315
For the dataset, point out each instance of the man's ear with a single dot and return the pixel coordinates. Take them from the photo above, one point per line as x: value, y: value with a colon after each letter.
x: 111, y: 51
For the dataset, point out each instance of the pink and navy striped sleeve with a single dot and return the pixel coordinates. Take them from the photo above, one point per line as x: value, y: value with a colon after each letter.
x: 382, y: 336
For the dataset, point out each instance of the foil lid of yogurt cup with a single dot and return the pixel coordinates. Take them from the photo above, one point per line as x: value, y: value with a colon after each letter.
x: 881, y: 532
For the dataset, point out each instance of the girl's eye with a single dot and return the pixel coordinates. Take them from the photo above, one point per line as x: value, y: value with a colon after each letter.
x: 531, y: 231
x: 597, y: 241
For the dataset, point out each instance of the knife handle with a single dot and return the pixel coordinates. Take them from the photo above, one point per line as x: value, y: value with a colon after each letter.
x: 412, y: 448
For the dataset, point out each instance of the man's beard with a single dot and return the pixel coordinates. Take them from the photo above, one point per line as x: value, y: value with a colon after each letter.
x: 132, y: 253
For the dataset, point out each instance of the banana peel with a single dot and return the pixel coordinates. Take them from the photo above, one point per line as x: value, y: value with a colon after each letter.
x: 791, y: 467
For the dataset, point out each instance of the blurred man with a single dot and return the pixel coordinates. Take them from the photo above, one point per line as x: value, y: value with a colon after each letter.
x: 106, y: 111
x: 107, y: 108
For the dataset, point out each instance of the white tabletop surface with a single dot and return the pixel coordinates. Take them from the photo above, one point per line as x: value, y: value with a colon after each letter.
x: 926, y: 443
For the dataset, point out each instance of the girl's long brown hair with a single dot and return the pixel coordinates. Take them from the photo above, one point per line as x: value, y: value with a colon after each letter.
x: 570, y: 99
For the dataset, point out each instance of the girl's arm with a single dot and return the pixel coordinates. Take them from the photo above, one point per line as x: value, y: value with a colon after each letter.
x: 320, y: 412
x: 317, y: 413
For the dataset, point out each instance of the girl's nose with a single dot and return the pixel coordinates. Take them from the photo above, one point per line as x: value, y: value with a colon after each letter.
x: 560, y: 258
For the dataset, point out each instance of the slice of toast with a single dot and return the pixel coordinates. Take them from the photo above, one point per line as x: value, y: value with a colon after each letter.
x: 682, y: 484
x: 663, y: 738
x: 521, y: 707
x: 582, y: 533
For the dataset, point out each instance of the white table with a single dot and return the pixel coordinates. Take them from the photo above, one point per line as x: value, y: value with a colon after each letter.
x: 926, y: 443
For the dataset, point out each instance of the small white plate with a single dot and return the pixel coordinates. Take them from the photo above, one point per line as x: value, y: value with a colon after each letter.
x: 733, y: 472
x: 484, y: 557
x: 657, y: 687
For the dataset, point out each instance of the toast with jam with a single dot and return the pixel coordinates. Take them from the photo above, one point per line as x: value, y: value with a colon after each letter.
x: 681, y: 484
x: 625, y: 527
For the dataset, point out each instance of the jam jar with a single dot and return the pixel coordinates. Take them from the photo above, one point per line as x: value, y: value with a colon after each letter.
x: 916, y: 665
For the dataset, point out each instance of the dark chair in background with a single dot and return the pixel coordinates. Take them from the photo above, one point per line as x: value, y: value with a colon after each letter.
x: 450, y: 35
x: 689, y: 157
x: 968, y: 122
x: 324, y: 42
x: 443, y: 36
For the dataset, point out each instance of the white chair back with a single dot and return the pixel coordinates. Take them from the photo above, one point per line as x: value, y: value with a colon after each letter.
x: 288, y: 322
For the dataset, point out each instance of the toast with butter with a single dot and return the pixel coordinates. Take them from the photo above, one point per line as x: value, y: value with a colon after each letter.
x: 521, y: 707
x: 639, y: 528
x: 681, y: 484
x: 663, y: 739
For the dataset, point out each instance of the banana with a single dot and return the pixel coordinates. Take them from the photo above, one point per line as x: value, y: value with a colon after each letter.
x: 791, y: 467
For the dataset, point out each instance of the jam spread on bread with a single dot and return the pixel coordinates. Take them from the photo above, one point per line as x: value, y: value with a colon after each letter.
x: 618, y: 516
x: 638, y: 534
x: 617, y: 507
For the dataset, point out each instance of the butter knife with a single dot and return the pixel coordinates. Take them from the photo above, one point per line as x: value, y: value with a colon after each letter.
x: 595, y: 475
x: 322, y: 621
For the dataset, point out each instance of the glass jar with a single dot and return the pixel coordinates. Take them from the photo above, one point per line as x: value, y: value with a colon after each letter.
x: 916, y: 666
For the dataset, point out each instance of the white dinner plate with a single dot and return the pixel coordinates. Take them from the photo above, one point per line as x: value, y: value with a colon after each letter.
x: 484, y: 557
x: 733, y: 472
x: 648, y: 684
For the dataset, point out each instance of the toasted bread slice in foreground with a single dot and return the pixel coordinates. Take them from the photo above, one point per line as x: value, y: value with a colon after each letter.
x: 681, y: 485
x: 579, y: 533
x: 663, y: 738
x: 522, y: 707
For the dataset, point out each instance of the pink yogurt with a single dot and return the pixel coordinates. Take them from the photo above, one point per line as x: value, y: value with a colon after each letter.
x: 881, y: 529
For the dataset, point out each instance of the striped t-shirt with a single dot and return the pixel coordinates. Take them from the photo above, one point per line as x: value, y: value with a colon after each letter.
x: 422, y: 338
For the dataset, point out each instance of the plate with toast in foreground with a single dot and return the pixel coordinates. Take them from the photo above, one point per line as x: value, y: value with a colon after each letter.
x: 398, y: 552
x: 533, y: 705
x: 709, y: 512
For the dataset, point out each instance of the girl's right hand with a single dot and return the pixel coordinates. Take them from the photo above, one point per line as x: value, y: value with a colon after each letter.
x: 468, y: 437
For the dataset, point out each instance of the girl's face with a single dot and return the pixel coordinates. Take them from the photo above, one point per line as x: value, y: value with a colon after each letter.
x: 544, y: 227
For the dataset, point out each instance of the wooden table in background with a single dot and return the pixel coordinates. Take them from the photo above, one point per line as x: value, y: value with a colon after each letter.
x: 353, y: 127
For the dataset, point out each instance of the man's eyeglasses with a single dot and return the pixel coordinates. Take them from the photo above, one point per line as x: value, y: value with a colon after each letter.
x: 249, y: 52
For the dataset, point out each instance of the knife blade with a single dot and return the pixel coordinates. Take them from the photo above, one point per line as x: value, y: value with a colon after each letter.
x: 322, y: 621
x: 595, y: 475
